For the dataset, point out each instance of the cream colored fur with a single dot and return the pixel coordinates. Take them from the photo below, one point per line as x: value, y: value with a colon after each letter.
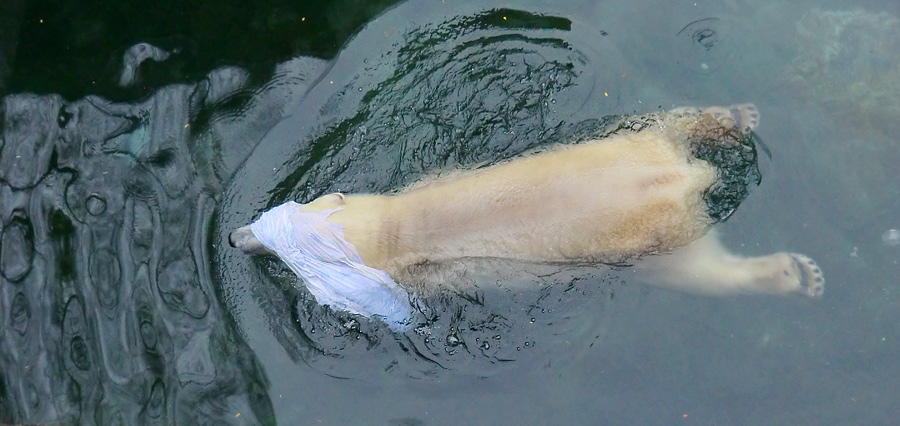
x: 633, y: 197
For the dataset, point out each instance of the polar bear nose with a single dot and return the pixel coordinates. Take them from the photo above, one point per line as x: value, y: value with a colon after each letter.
x: 244, y: 239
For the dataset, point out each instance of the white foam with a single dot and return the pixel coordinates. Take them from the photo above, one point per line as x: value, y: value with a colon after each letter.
x: 332, y: 269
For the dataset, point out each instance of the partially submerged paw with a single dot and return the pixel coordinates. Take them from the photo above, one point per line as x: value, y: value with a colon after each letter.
x: 810, y: 277
x: 744, y: 117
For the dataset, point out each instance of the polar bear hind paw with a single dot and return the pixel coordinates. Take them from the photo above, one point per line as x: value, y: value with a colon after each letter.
x: 812, y: 281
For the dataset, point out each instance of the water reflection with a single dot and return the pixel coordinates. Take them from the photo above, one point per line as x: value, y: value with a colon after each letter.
x: 848, y: 72
x: 112, y: 281
x: 118, y: 305
x: 109, y: 313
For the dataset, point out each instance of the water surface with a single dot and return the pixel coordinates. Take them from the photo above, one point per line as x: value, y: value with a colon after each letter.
x: 120, y: 302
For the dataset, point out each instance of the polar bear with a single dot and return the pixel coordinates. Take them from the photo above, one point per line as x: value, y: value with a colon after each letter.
x: 640, y: 190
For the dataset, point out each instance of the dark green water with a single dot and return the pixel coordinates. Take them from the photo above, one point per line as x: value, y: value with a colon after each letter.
x: 121, y: 303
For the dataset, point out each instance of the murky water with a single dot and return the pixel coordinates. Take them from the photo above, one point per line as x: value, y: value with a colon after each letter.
x: 120, y: 302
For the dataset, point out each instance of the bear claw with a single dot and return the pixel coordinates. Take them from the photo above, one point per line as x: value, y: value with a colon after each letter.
x: 812, y: 281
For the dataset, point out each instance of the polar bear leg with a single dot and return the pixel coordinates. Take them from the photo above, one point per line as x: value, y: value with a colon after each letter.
x: 744, y: 117
x: 706, y: 267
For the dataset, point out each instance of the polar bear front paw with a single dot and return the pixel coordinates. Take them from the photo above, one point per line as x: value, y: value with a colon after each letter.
x: 809, y: 275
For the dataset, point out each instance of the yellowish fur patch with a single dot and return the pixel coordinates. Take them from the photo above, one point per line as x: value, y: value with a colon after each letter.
x: 605, y: 201
x: 639, y: 195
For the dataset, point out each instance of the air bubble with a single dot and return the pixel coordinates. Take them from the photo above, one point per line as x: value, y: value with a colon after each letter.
x: 452, y: 340
x: 891, y: 237
x: 95, y: 204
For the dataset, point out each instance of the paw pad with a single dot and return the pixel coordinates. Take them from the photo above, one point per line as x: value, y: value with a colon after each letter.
x: 812, y: 281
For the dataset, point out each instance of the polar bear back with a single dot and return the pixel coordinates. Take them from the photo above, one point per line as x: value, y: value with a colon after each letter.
x: 599, y: 201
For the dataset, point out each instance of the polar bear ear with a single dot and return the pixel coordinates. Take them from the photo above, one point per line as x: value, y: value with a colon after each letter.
x: 244, y: 239
x: 325, y: 202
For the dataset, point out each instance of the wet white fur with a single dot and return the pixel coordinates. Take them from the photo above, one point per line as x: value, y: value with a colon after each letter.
x: 633, y: 197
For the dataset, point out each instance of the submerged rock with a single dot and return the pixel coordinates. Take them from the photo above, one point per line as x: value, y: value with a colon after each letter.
x: 847, y: 75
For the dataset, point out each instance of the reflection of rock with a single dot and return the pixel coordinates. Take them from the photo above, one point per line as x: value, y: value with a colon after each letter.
x: 849, y: 61
x: 16, y: 248
x: 139, y: 224
x: 104, y: 280
x: 180, y: 289
x: 19, y: 314
x: 154, y: 338
x: 104, y: 272
x: 195, y: 363
x: 235, y: 132
x: 847, y: 71
x: 133, y: 58
x: 27, y: 141
x: 80, y: 356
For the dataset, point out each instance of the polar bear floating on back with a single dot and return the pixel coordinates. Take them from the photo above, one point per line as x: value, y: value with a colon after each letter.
x: 644, y: 191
